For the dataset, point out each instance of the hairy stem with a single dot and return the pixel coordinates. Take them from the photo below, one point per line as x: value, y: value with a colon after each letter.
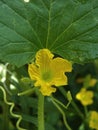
x: 40, y: 112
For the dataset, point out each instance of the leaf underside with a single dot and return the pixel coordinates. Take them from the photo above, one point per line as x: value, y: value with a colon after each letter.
x: 68, y: 28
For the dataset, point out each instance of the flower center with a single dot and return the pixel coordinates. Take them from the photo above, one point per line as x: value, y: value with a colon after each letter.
x: 46, y: 76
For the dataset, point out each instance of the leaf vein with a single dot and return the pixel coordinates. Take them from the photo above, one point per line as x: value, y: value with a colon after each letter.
x: 83, y: 16
x: 18, y: 33
x: 26, y: 21
x: 76, y: 37
x: 48, y: 32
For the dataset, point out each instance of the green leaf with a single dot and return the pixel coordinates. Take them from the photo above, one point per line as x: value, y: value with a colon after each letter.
x: 30, y: 119
x: 68, y: 28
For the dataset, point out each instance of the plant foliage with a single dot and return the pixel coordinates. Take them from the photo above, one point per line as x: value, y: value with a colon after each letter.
x: 68, y: 28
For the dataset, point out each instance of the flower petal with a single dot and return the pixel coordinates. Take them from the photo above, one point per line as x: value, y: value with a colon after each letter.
x: 93, y: 120
x: 60, y: 79
x: 46, y: 89
x: 85, y: 96
x: 33, y: 71
x: 43, y: 58
x: 59, y: 66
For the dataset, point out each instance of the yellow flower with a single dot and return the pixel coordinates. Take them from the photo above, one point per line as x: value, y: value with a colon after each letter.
x: 85, y: 97
x: 93, y: 122
x: 48, y: 71
x: 92, y: 82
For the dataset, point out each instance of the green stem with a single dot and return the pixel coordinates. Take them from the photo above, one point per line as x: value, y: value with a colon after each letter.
x: 77, y: 110
x: 26, y: 92
x: 5, y: 117
x: 63, y: 114
x: 85, y: 110
x: 40, y: 112
x: 62, y: 90
x: 57, y: 101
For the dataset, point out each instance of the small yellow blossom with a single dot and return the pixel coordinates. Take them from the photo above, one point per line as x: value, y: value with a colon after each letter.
x: 92, y: 82
x: 85, y: 97
x: 88, y: 81
x: 93, y: 122
x: 48, y: 71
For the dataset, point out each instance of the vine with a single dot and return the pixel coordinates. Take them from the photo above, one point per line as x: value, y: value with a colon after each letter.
x: 12, y: 105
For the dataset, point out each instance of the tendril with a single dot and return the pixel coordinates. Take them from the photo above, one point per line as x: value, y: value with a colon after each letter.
x: 62, y: 112
x: 12, y: 105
